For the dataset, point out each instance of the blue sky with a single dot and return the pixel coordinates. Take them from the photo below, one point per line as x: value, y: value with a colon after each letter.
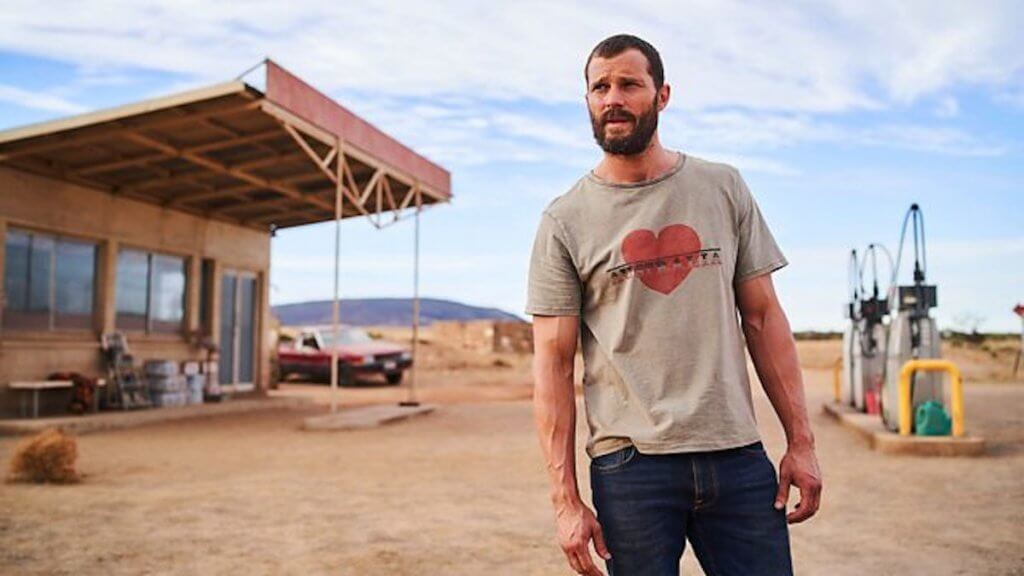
x: 839, y: 114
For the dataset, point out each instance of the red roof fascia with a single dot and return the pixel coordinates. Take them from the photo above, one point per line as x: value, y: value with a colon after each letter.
x: 295, y: 95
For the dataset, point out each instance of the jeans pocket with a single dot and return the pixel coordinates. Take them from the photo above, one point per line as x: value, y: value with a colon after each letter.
x: 614, y: 461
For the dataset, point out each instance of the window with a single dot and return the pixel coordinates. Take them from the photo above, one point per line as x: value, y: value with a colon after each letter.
x: 150, y: 292
x: 49, y: 282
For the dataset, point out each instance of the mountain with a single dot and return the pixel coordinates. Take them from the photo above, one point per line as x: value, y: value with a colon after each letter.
x: 384, y: 312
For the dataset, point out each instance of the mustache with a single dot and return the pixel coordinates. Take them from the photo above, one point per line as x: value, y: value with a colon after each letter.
x: 617, y: 114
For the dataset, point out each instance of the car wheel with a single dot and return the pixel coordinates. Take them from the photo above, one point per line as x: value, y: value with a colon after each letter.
x: 394, y: 378
x: 345, y: 375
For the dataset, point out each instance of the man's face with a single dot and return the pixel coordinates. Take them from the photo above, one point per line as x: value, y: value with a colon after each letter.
x: 623, y: 102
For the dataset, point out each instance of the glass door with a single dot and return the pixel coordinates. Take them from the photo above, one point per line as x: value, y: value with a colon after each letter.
x: 237, y: 366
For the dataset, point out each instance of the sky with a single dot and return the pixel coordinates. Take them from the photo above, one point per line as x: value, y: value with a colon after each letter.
x: 839, y: 114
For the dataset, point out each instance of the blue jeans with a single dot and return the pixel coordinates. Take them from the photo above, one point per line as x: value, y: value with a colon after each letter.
x: 722, y: 502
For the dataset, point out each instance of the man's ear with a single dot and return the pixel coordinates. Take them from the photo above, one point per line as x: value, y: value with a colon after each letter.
x: 663, y: 96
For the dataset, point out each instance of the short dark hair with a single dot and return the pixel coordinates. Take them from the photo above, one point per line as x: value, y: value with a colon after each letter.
x: 614, y: 45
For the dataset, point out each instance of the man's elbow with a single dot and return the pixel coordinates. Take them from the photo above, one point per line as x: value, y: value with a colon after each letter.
x: 754, y: 320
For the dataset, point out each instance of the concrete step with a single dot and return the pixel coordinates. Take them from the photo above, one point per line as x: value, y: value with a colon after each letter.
x: 128, y: 419
x: 879, y: 438
x: 365, y: 417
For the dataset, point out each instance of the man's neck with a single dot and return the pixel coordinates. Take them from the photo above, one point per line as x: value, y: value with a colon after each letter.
x: 653, y: 162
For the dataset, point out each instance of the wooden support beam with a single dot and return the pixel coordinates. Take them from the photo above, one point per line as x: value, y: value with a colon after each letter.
x: 50, y: 168
x: 370, y: 185
x: 237, y: 190
x: 217, y: 126
x: 236, y: 141
x: 225, y: 169
x: 115, y: 128
x: 258, y: 206
x: 208, y: 193
x: 169, y: 178
x: 326, y: 163
x: 272, y: 202
x: 321, y: 163
x: 409, y: 196
x: 193, y: 177
x: 276, y: 217
x: 390, y: 197
x: 350, y: 180
x: 267, y: 161
x: 120, y: 163
x: 380, y: 201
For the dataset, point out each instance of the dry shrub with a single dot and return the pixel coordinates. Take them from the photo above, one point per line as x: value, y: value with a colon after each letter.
x: 46, y: 457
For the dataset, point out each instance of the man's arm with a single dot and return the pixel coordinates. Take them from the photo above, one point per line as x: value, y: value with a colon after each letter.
x: 554, y: 403
x: 774, y: 353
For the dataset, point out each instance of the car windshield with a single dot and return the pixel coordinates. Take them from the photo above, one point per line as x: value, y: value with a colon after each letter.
x: 346, y: 336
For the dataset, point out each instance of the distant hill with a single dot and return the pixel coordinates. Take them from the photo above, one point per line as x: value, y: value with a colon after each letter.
x: 384, y: 312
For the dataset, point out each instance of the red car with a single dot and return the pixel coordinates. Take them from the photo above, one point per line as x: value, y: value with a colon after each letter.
x: 307, y: 351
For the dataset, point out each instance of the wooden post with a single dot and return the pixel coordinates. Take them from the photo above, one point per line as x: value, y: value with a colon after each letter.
x: 194, y: 264
x: 107, y: 297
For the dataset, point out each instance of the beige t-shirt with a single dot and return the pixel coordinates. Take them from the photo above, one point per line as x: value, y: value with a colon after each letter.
x: 649, y: 268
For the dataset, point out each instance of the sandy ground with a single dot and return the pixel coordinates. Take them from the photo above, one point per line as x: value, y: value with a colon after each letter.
x: 462, y: 491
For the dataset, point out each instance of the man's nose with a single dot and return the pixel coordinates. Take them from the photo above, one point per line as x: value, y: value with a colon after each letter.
x: 614, y: 97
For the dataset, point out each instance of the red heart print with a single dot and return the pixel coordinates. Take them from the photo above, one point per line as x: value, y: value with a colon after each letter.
x: 644, y: 250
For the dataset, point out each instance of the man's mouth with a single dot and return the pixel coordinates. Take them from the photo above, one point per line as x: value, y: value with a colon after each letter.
x: 618, y: 119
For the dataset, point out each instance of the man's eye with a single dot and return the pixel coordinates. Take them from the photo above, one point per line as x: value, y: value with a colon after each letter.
x: 600, y: 87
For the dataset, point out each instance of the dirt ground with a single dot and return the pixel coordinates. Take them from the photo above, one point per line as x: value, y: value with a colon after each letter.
x: 462, y: 491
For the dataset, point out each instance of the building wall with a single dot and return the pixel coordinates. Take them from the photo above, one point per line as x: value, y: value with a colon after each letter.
x: 513, y: 337
x: 45, y: 205
x: 487, y: 335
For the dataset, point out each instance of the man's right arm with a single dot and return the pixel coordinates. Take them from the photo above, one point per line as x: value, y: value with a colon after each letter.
x: 554, y: 401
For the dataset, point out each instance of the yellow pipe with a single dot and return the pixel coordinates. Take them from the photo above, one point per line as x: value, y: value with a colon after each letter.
x: 956, y: 392
x: 837, y: 368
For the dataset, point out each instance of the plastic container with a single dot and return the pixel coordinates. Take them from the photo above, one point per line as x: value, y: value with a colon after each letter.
x: 931, y: 420
x: 194, y: 388
x: 169, y: 399
x: 159, y: 384
x: 161, y: 368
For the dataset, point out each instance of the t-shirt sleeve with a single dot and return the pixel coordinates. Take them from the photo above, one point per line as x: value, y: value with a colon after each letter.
x: 757, y: 252
x: 554, y: 287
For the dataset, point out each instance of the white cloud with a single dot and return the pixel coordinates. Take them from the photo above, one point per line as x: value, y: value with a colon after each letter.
x: 947, y: 107
x: 764, y: 131
x: 460, y: 82
x: 978, y: 277
x: 768, y: 56
x: 38, y: 100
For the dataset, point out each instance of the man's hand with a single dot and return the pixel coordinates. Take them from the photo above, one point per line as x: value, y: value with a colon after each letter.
x: 799, y: 467
x: 577, y: 525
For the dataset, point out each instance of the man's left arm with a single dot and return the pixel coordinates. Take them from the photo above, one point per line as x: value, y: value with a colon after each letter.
x: 773, y: 351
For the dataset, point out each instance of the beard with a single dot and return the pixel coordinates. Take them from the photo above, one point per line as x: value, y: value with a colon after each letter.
x: 635, y: 141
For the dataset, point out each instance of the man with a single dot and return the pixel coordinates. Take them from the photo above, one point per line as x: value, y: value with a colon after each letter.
x: 647, y: 259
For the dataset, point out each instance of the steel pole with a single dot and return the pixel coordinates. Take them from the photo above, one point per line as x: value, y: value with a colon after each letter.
x: 411, y: 398
x: 334, y: 302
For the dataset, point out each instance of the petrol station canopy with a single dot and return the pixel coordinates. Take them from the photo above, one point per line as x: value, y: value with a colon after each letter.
x: 284, y: 156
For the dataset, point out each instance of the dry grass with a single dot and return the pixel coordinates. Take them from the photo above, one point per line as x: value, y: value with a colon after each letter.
x: 47, y: 457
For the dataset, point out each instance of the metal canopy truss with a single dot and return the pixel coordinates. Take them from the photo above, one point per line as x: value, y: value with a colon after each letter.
x: 233, y: 153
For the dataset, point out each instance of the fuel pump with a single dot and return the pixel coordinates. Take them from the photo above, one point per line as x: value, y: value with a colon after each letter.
x: 851, y: 337
x: 870, y: 351
x: 913, y: 333
x: 865, y: 336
